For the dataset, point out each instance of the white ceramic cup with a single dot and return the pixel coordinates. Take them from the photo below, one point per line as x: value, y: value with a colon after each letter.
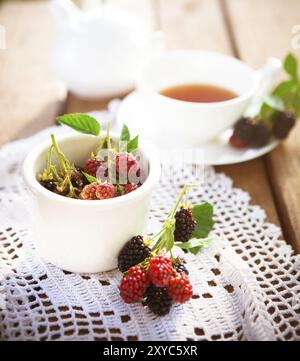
x: 82, y: 235
x: 174, y: 123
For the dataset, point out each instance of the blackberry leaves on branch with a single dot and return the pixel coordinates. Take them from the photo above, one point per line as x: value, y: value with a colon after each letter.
x: 277, y: 114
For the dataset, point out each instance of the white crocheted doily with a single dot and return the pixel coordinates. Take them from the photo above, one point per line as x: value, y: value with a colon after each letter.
x: 246, y: 284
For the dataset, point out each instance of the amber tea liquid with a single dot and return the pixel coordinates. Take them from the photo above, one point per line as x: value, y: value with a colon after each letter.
x: 198, y: 93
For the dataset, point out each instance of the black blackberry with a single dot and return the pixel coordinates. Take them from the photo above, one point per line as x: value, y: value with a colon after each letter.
x: 132, y: 253
x: 49, y: 184
x: 185, y: 225
x: 261, y: 135
x: 283, y: 122
x: 180, y: 267
x: 158, y: 300
x: 81, y: 170
x: 78, y: 179
x: 244, y: 129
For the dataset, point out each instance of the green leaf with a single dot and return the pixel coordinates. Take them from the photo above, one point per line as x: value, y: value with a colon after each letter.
x: 125, y: 134
x: 90, y: 178
x: 284, y: 88
x: 81, y: 122
x: 290, y: 65
x: 266, y: 111
x: 271, y: 105
x: 133, y: 144
x: 194, y: 245
x: 203, y: 215
x: 195, y: 250
x: 296, y: 101
x: 292, y: 101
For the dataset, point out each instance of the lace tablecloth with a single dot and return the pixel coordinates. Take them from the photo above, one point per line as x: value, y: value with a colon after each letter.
x: 246, y: 284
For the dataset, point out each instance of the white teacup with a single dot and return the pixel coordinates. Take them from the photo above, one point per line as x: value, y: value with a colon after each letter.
x: 174, y: 123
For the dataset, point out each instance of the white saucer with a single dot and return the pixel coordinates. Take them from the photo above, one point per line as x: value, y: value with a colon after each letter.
x: 216, y: 152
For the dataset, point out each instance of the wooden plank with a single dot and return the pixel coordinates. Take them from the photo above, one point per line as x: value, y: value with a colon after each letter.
x: 77, y: 105
x: 200, y: 24
x: 194, y: 24
x: 262, y: 29
x: 30, y: 94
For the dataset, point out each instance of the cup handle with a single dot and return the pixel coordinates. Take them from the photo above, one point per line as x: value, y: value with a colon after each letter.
x: 266, y: 77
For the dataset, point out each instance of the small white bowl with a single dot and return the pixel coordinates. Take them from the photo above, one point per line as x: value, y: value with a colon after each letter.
x: 81, y: 235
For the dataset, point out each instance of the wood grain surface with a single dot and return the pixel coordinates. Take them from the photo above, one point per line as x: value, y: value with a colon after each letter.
x: 30, y: 95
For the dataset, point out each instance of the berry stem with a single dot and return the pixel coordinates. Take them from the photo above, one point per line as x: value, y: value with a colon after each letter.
x: 183, y: 192
x: 166, y: 239
x: 108, y: 135
x: 47, y: 172
x: 102, y: 140
x: 111, y: 155
x: 54, y: 171
x: 49, y: 155
x: 72, y: 192
x: 64, y: 163
x: 171, y: 256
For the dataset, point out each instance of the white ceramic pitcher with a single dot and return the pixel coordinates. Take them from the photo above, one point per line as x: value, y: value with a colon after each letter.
x: 97, y: 52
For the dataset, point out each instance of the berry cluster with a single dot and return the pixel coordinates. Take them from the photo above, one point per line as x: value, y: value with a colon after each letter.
x: 154, y: 280
x: 150, y: 275
x: 74, y: 181
x: 95, y: 191
x: 255, y: 133
x: 123, y: 163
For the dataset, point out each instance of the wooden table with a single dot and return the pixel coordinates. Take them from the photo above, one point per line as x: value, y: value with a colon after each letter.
x: 251, y: 30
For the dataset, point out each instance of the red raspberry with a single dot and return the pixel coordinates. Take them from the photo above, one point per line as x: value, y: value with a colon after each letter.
x: 130, y: 187
x: 237, y: 143
x: 124, y: 161
x: 180, y: 288
x: 134, y: 284
x: 91, y: 166
x: 160, y: 270
x: 105, y: 191
x: 89, y: 192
